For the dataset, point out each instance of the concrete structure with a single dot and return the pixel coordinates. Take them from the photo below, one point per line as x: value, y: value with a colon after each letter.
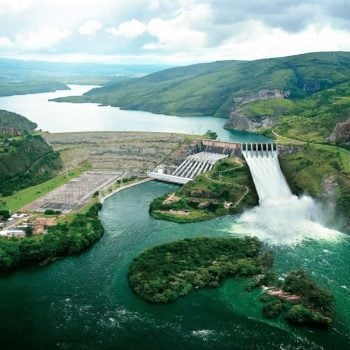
x: 259, y: 149
x: 210, y: 151
x: 191, y: 167
x: 221, y: 147
x: 12, y: 232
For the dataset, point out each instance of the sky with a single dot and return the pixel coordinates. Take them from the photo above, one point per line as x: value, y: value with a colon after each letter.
x: 170, y: 31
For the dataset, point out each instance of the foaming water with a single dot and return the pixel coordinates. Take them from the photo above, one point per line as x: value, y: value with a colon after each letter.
x: 281, y: 217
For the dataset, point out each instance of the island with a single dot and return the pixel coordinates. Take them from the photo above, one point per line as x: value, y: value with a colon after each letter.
x: 166, y: 272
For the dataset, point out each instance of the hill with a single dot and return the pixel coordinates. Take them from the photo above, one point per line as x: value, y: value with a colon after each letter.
x: 30, y: 87
x: 26, y: 161
x: 12, y: 121
x: 25, y: 158
x: 297, y: 86
x: 12, y: 70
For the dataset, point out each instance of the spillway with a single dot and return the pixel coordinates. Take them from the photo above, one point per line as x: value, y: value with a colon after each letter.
x: 281, y: 217
x: 267, y: 175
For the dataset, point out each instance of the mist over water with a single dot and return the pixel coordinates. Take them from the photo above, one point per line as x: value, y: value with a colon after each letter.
x: 281, y: 217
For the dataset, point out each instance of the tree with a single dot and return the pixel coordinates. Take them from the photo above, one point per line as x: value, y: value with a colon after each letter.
x: 29, y: 231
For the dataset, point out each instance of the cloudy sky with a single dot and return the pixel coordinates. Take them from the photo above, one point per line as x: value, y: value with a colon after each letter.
x: 170, y: 31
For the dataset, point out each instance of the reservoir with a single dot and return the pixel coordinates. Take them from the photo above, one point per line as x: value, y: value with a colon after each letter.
x: 67, y: 117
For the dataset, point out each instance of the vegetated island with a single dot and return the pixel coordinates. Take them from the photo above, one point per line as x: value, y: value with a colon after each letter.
x: 166, y: 272
x: 61, y: 240
x: 227, y: 189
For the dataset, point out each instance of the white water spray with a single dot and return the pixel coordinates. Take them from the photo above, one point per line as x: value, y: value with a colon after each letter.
x: 281, y: 217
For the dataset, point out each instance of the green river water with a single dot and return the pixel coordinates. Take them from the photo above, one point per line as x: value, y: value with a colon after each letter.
x: 84, y: 302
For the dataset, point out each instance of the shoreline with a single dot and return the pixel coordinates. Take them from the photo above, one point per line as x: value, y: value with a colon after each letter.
x: 124, y: 188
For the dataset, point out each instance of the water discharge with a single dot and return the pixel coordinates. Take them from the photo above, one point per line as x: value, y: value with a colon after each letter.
x: 281, y: 217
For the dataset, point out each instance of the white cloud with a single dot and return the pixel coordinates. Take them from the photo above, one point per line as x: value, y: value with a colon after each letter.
x: 45, y: 39
x: 5, y: 42
x: 128, y: 29
x: 172, y: 31
x: 180, y: 32
x: 257, y: 40
x: 90, y: 27
x: 14, y: 6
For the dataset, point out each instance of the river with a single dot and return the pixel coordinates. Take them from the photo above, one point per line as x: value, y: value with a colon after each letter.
x: 84, y: 302
x: 66, y: 117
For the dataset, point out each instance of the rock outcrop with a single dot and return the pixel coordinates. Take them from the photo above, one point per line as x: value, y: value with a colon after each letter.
x: 239, y: 121
x: 341, y: 133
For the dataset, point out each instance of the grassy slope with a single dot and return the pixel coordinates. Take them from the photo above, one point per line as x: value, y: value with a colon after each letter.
x: 227, y: 181
x: 208, y: 89
x: 23, y: 197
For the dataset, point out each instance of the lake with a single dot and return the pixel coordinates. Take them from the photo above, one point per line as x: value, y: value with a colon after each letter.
x: 65, y: 117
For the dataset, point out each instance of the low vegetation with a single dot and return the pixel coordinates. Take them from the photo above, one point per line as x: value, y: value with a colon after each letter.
x: 28, y: 195
x: 171, y: 270
x: 227, y: 189
x: 61, y: 240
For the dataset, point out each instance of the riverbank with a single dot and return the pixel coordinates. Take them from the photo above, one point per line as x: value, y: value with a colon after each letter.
x: 136, y: 183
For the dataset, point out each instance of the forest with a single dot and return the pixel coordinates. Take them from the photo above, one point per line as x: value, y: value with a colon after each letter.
x: 61, y: 240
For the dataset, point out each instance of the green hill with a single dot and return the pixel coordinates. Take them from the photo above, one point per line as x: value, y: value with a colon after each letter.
x: 26, y: 161
x: 297, y: 86
x: 30, y: 87
x: 16, y: 122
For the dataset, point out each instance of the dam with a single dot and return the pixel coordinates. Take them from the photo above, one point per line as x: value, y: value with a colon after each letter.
x: 206, y: 154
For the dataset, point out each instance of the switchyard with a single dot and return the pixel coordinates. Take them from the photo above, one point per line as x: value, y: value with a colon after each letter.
x: 76, y: 192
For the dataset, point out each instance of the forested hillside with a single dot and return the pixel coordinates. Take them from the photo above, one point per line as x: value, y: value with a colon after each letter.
x: 305, y: 92
x: 9, y: 120
x: 26, y: 161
